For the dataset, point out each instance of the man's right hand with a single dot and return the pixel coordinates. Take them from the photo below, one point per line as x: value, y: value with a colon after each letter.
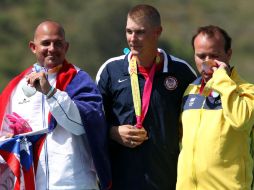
x: 128, y: 135
x: 39, y: 81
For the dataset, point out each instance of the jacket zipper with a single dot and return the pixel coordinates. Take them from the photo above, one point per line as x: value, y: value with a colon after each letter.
x: 194, y: 176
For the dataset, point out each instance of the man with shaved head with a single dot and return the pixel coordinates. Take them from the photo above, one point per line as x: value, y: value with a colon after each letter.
x: 56, y: 95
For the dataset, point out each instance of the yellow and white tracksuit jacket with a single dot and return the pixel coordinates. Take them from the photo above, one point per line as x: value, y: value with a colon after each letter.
x: 217, y: 134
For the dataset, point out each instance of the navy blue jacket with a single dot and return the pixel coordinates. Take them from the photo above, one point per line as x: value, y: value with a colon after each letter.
x: 153, y: 164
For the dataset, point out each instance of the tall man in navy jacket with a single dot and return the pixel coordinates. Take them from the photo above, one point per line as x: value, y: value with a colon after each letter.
x: 142, y: 93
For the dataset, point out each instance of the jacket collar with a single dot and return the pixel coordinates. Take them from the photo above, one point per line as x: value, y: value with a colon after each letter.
x: 165, y: 63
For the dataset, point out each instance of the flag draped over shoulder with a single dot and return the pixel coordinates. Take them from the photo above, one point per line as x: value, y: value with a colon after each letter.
x: 83, y: 91
x: 6, y: 94
x: 21, y: 155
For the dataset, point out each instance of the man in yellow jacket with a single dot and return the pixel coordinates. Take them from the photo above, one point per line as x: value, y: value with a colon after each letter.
x: 217, y: 118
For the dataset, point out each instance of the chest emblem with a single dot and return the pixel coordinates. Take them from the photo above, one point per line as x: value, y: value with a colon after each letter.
x: 23, y: 101
x: 191, y: 102
x: 121, y: 80
x: 170, y: 83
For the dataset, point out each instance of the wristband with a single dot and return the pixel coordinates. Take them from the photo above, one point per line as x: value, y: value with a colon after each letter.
x: 50, y: 91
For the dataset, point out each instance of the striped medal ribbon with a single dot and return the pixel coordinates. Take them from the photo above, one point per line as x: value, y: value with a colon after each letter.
x: 141, y: 108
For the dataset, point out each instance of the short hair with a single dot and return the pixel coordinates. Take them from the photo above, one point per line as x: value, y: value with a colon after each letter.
x: 211, y: 31
x: 148, y: 12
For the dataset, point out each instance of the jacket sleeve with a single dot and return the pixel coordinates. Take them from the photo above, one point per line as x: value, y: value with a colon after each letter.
x: 103, y: 84
x: 237, y: 98
x: 85, y: 94
x: 66, y: 113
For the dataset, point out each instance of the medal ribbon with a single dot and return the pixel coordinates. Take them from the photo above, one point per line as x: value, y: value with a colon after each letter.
x: 141, y: 110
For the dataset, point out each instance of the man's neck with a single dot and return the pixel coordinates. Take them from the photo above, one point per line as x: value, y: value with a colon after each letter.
x: 55, y: 69
x: 52, y: 68
x: 147, y: 61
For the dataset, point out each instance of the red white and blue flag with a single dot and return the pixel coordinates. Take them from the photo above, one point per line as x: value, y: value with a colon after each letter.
x: 18, y: 164
x: 82, y: 90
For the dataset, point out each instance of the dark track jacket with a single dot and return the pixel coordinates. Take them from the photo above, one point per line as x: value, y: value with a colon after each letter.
x: 153, y: 164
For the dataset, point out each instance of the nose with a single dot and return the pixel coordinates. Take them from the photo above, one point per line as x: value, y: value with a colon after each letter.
x: 133, y: 36
x: 51, y: 46
x: 206, y: 58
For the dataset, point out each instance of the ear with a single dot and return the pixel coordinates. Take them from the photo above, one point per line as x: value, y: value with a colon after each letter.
x: 32, y: 46
x: 229, y: 54
x: 159, y: 31
x: 66, y: 47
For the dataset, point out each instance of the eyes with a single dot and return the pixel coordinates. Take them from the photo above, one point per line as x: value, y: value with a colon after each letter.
x: 136, y: 32
x: 56, y: 44
x: 208, y: 56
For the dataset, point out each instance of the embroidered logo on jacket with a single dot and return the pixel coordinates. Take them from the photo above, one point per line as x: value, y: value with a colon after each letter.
x: 191, y: 102
x: 170, y: 83
x: 121, y: 80
x: 23, y: 101
x: 196, y: 101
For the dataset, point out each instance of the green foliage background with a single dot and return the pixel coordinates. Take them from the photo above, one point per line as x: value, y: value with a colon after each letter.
x: 96, y: 30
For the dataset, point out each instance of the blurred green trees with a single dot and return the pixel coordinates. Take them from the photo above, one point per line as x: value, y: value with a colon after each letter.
x: 96, y: 30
